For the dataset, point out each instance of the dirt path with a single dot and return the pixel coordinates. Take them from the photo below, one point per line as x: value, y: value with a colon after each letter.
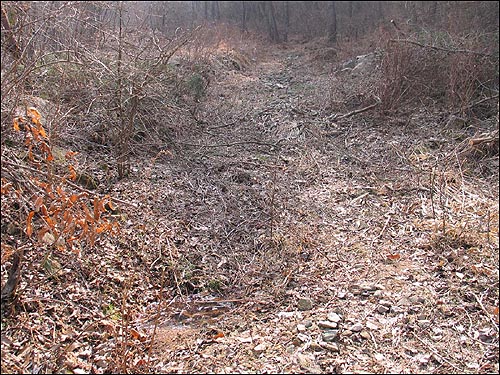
x: 309, y: 245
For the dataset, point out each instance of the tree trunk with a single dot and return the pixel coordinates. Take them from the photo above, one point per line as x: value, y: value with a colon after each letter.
x: 287, y: 21
x: 273, y: 27
x: 10, y: 41
x: 243, y: 16
x: 332, y: 34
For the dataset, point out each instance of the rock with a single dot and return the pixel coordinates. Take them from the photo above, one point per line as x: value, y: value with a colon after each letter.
x: 355, y: 289
x: 356, y: 327
x: 308, y: 363
x: 382, y: 309
x: 330, y: 335
x: 378, y: 293
x: 341, y: 294
x: 384, y: 302
x: 326, y: 324
x: 416, y: 300
x: 304, y: 304
x: 315, y: 346
x: 346, y: 333
x: 365, y: 335
x: 260, y: 348
x: 308, y: 323
x: 371, y: 325
x: 301, y: 327
x: 486, y: 337
x: 331, y: 346
x: 334, y: 317
x: 303, y: 337
x: 424, y: 323
x: 396, y: 309
x: 369, y: 287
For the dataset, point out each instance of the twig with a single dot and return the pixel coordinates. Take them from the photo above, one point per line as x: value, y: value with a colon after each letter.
x: 473, y: 104
x: 440, y: 48
x: 67, y: 182
x: 157, y: 317
x: 437, y: 354
x: 232, y: 144
x: 355, y: 112
x: 485, y: 311
x: 381, y: 232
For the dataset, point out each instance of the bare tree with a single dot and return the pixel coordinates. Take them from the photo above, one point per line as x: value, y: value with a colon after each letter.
x: 332, y: 32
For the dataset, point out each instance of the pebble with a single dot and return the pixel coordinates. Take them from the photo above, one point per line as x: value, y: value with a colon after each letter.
x: 260, y: 348
x: 304, y: 304
x: 326, y: 324
x: 416, y: 300
x: 384, y: 302
x: 334, y: 317
x: 329, y: 336
x: 304, y: 338
x: 371, y: 325
x: 424, y: 323
x: 382, y: 309
x: 396, y: 309
x: 341, y: 294
x: 301, y: 327
x: 346, y: 333
x: 308, y: 323
x: 356, y: 327
x: 365, y: 335
x: 315, y: 346
x: 331, y: 346
x: 368, y: 287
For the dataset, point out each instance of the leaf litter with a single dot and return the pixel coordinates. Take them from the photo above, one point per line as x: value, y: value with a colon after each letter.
x: 275, y: 239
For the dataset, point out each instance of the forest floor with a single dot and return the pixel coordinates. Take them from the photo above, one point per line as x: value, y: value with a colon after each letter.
x: 292, y: 239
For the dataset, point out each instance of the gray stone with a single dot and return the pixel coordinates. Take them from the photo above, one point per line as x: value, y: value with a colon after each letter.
x: 416, y: 300
x: 384, y: 302
x: 334, y: 317
x: 356, y: 327
x: 330, y: 335
x: 331, y: 346
x: 424, y: 323
x: 315, y: 346
x: 382, y: 309
x: 396, y: 309
x: 304, y: 304
x: 326, y: 324
x: 303, y: 337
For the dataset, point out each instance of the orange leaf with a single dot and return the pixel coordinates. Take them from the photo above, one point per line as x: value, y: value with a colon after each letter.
x: 103, y: 228
x: 16, y: 124
x: 29, y: 227
x: 34, y: 115
x: 38, y: 203
x: 218, y: 335
x: 50, y: 222
x: 42, y: 131
x: 97, y: 214
x: 136, y: 335
x: 72, y: 173
x: 70, y: 154
x: 73, y: 198
x: 495, y: 311
x: 393, y: 256
x: 88, y: 215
